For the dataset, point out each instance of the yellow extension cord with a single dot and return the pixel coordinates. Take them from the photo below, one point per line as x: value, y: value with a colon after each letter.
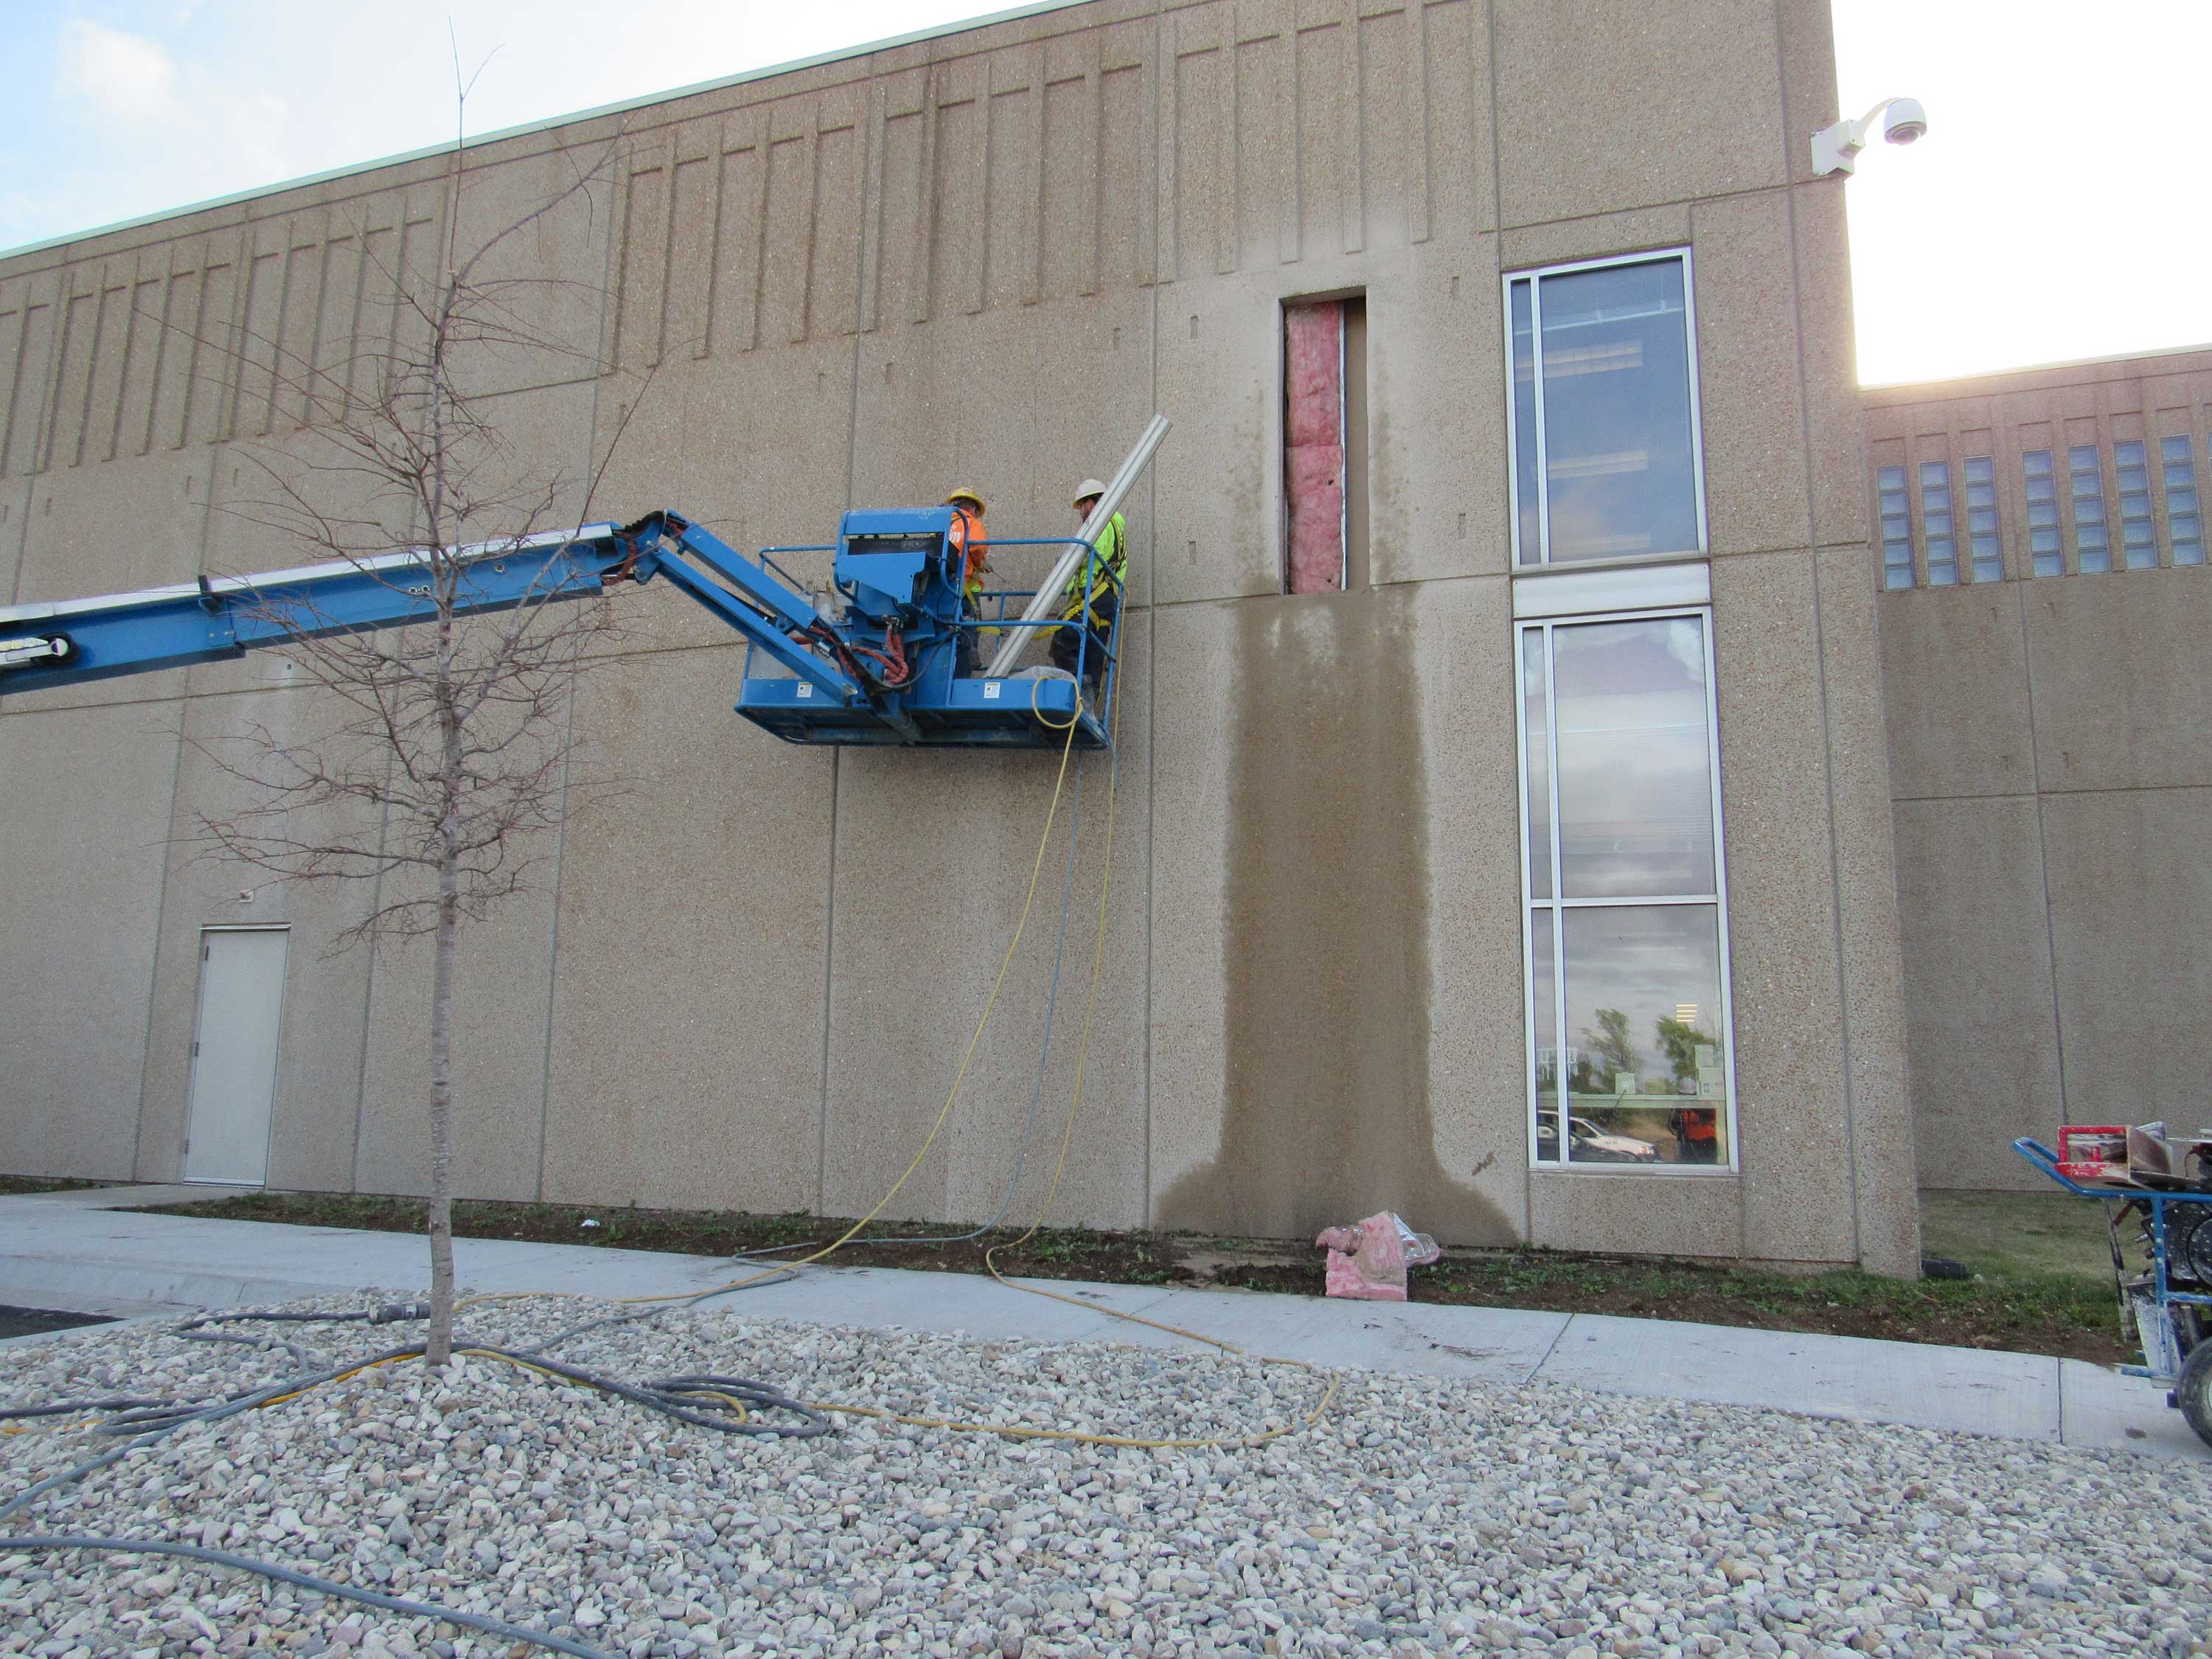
x: 1067, y: 1132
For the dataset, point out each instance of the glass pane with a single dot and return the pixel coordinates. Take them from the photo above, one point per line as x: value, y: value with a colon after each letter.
x: 2042, y: 513
x: 1896, y: 529
x: 1535, y: 712
x: 1618, y: 446
x: 1935, y: 523
x: 1526, y: 537
x: 1647, y: 1082
x: 1543, y: 992
x: 2184, y: 529
x: 1983, y: 540
x: 2131, y: 478
x: 1636, y: 806
x: 2092, y: 546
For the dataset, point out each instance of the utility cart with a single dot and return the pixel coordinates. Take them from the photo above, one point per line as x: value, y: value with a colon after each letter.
x: 2161, y: 1237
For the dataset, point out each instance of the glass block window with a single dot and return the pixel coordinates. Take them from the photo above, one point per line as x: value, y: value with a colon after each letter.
x: 2138, y: 534
x: 2045, y: 557
x: 1896, y: 528
x: 2092, y: 538
x: 1984, y: 543
x: 1604, y: 417
x: 1629, y: 1052
x: 2184, y: 525
x: 1936, y: 532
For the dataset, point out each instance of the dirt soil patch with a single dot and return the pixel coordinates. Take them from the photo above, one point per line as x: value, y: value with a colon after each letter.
x: 16, y: 1186
x: 2031, y: 1312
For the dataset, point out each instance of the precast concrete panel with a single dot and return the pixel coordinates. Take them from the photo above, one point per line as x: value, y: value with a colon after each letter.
x: 1477, y: 1062
x: 1983, y: 1026
x: 320, y: 1049
x: 686, y: 1060
x: 1750, y: 394
x: 109, y: 529
x: 89, y: 790
x: 1594, y: 97
x: 1638, y: 1215
x: 1793, y: 1127
x: 1193, y: 760
x: 1436, y: 507
x: 2130, y: 908
x: 1885, y: 1172
x: 2121, y: 700
x: 1956, y: 689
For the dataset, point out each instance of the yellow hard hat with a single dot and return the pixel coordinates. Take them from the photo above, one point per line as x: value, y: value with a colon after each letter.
x: 1086, y: 490
x: 965, y: 494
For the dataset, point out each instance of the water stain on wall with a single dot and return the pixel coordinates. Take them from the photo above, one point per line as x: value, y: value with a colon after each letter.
x: 1327, y: 1111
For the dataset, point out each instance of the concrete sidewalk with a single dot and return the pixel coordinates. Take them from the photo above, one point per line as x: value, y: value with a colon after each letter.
x: 79, y: 1251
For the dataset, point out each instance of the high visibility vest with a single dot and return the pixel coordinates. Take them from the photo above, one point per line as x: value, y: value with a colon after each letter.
x: 967, y: 537
x: 1106, y: 573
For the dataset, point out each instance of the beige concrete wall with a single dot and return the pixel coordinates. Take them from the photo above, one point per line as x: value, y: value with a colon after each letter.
x: 2048, y: 748
x: 985, y: 258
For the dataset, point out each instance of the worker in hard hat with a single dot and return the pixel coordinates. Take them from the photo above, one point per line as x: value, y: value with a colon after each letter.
x: 967, y: 538
x: 1093, y: 594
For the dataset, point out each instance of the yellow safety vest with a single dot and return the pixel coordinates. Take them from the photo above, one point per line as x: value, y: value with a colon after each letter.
x: 1106, y: 572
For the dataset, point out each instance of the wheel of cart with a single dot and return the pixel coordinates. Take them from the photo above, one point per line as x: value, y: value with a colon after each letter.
x: 2165, y: 1300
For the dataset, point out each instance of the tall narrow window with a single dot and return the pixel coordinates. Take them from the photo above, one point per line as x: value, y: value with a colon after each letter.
x: 1627, y: 965
x: 2131, y: 480
x: 1984, y: 542
x: 1604, y: 410
x: 2092, y: 541
x: 1896, y: 529
x: 1936, y: 526
x: 1325, y: 445
x: 2184, y: 526
x: 2043, y: 549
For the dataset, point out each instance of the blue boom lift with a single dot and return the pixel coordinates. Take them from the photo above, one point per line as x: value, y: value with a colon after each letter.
x: 875, y: 663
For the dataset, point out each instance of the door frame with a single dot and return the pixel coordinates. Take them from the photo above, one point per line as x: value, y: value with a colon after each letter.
x: 277, y: 1060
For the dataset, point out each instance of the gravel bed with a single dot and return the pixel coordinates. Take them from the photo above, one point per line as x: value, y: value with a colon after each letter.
x: 1422, y: 1516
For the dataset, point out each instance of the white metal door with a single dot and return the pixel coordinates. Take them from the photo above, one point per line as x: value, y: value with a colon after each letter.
x: 235, y: 1053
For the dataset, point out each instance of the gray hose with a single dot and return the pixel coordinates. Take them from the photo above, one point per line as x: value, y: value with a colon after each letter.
x: 309, y: 1581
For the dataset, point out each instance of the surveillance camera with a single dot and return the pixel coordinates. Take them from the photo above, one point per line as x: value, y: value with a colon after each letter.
x: 1905, y: 122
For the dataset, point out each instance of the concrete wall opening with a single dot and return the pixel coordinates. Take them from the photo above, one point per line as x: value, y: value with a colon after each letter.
x: 235, y: 1053
x: 1325, y: 444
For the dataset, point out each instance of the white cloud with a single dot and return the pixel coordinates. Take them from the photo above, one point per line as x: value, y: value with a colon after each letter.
x: 125, y: 76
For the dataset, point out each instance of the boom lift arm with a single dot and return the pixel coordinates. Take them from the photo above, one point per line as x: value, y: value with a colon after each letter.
x: 71, y: 642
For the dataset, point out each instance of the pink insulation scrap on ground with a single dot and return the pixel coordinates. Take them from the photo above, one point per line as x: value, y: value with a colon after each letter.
x: 1366, y: 1260
x: 1313, y: 450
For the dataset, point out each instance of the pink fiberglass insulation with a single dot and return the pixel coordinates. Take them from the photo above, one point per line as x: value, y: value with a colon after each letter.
x: 1313, y: 450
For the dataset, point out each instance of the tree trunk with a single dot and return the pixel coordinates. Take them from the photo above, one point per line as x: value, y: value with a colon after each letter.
x: 441, y: 1342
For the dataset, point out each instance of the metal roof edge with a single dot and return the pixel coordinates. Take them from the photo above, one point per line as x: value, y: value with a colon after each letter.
x: 1870, y: 387
x: 644, y: 100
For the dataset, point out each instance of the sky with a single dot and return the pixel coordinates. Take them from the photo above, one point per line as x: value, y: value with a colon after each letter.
x: 2052, y: 212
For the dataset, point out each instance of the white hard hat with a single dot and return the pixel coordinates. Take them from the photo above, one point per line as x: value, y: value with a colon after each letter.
x: 1086, y: 489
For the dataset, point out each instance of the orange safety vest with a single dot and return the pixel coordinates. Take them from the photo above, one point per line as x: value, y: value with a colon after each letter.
x: 967, y: 537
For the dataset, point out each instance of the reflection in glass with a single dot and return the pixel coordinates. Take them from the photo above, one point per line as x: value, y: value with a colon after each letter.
x: 1636, y: 808
x: 1529, y: 537
x: 1647, y: 1082
x: 1536, y: 708
x: 1544, y: 993
x: 1619, y: 446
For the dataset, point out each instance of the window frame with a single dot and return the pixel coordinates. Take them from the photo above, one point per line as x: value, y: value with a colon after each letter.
x: 1559, y: 903
x: 1533, y: 275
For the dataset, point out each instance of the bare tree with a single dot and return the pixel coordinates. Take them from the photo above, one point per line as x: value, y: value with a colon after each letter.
x: 447, y: 752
